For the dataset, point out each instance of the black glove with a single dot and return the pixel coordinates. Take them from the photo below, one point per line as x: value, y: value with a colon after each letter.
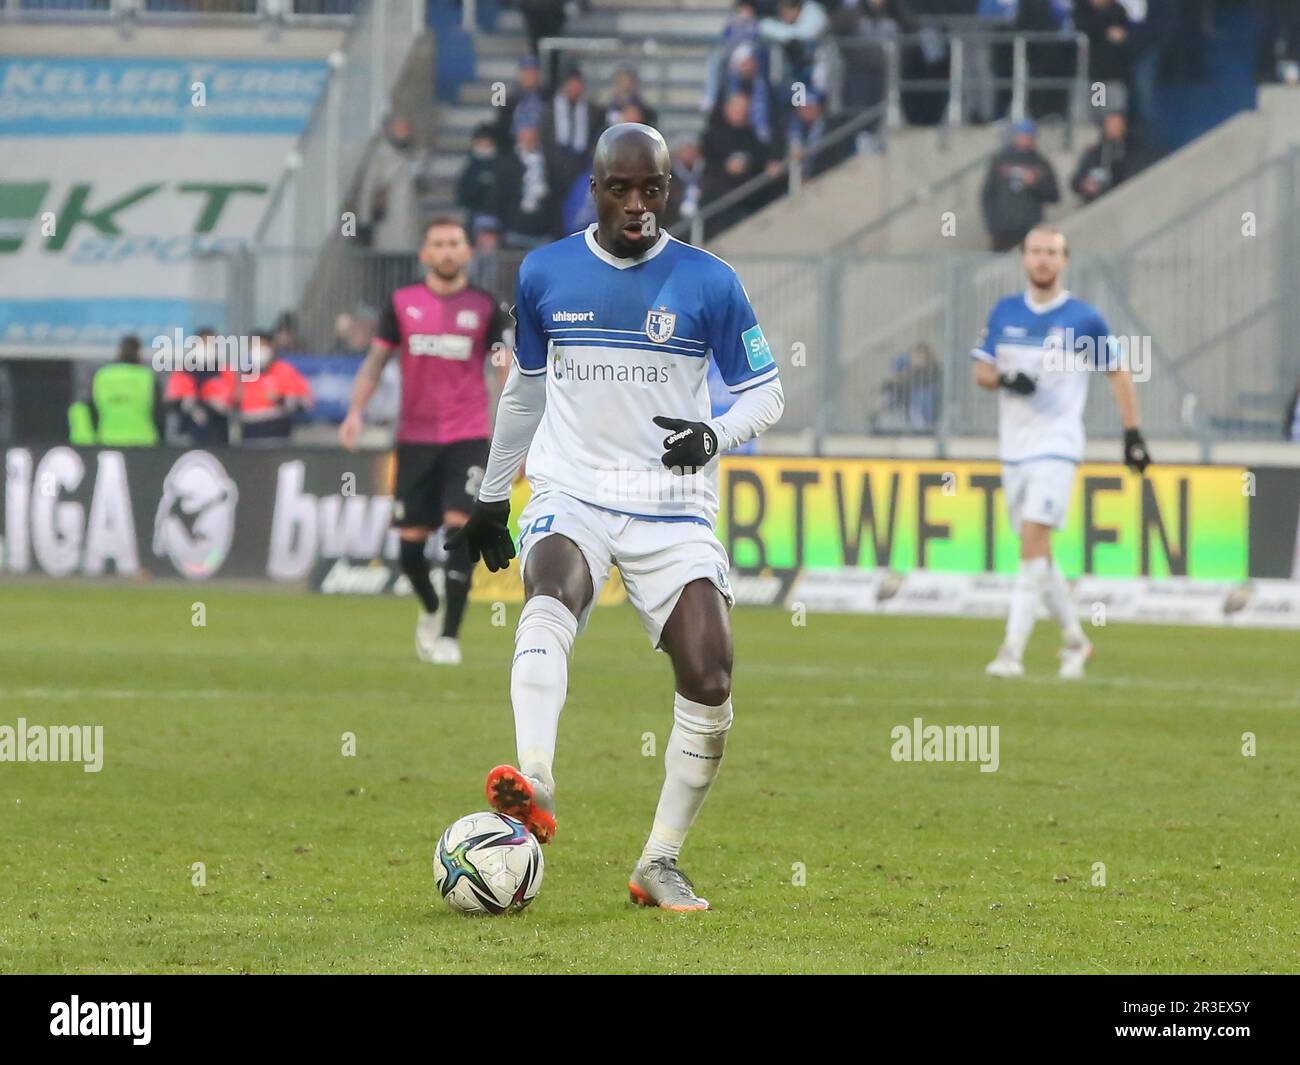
x: 689, y: 446
x: 487, y: 535
x: 1136, y: 456
x: 1020, y: 383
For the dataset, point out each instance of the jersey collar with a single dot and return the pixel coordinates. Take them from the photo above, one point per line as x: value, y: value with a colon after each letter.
x: 1044, y: 308
x: 622, y: 264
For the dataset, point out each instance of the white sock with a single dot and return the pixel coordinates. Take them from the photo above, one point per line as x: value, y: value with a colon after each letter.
x: 1056, y: 595
x: 691, y: 760
x: 1024, y: 605
x: 539, y: 681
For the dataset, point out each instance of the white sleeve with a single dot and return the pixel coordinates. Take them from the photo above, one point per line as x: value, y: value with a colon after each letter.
x: 519, y: 411
x: 755, y: 411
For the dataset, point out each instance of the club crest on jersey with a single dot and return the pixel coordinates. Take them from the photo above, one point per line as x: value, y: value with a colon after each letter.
x: 659, y: 325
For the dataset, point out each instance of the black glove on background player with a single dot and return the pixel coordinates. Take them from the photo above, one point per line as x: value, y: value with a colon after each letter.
x: 1136, y: 456
x: 1019, y: 383
x: 487, y: 535
x: 689, y: 446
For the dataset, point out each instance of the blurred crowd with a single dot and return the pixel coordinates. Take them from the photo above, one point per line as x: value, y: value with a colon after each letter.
x: 785, y: 79
x: 525, y: 179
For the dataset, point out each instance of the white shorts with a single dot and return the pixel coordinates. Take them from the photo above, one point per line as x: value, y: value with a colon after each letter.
x: 656, y: 559
x: 1039, y: 491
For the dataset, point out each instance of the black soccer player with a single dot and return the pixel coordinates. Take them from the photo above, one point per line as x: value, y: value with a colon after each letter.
x: 608, y: 398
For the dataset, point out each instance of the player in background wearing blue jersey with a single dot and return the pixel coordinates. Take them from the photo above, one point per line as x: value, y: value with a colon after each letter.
x: 1037, y: 353
x: 608, y: 397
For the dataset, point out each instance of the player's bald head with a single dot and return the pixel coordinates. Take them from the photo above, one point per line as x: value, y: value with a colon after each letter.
x: 629, y: 183
x: 631, y: 148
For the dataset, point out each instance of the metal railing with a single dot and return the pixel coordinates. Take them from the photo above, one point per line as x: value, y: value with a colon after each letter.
x: 789, y: 172
x: 878, y: 345
x: 971, y: 89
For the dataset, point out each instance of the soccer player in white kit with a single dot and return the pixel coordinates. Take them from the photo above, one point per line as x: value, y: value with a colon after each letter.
x: 608, y: 396
x: 1037, y: 352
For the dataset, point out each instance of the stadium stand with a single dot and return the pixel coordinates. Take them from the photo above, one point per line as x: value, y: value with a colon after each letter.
x: 851, y: 249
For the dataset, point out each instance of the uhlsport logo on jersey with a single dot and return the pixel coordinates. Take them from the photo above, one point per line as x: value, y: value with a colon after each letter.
x: 659, y: 325
x: 195, y: 522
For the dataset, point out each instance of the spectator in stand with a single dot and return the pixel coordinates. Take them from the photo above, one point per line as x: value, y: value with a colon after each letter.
x: 1147, y: 27
x: 6, y: 405
x: 485, y: 269
x: 1047, y: 59
x: 799, y: 28
x: 387, y: 211
x: 285, y: 332
x: 733, y: 154
x: 744, y: 74
x: 1106, y: 25
x: 1280, y: 42
x: 741, y: 29
x: 864, y: 32
x: 476, y: 188
x: 1019, y: 184
x: 910, y: 395
x: 352, y: 332
x: 809, y: 127
x: 571, y: 125
x: 1114, y: 159
x: 579, y: 208
x: 633, y: 112
x: 627, y: 92
x: 543, y: 18
x: 527, y: 193
x: 266, y: 404
x: 688, y: 173
x: 525, y: 104
x: 190, y: 421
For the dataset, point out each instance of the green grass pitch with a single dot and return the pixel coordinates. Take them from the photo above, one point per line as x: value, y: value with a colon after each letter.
x: 223, y: 745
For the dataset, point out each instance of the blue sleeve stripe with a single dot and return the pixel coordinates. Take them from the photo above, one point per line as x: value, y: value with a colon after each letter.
x: 634, y: 345
x: 534, y: 371
x: 614, y: 333
x: 755, y: 381
x: 982, y: 355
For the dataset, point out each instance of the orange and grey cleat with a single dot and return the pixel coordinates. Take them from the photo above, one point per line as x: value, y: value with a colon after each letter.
x: 658, y: 882
x: 524, y: 798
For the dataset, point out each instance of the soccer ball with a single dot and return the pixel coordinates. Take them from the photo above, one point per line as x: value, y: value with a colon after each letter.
x: 488, y: 863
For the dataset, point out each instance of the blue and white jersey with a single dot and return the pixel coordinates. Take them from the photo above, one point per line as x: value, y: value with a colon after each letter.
x: 1058, y: 344
x: 621, y: 341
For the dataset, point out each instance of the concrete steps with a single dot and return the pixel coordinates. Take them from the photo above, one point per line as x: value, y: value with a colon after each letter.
x: 673, y: 75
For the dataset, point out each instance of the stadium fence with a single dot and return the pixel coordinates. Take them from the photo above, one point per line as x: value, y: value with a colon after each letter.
x: 878, y: 344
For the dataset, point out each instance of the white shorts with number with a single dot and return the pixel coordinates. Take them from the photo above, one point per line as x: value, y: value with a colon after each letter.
x: 656, y: 558
x: 1038, y: 490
